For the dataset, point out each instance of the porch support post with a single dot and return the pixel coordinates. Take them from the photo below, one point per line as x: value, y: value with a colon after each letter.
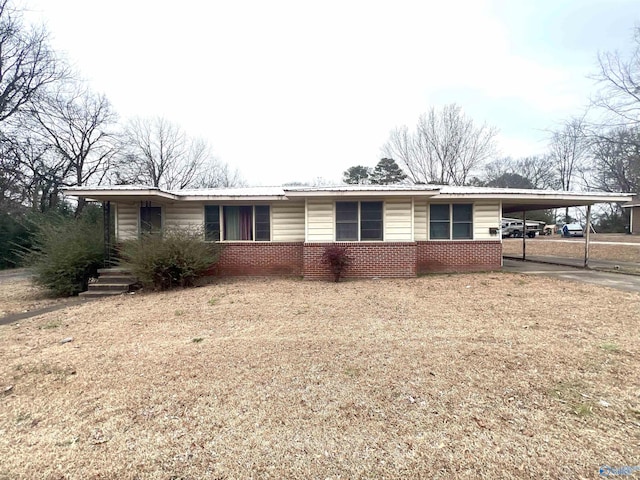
x: 586, y: 237
x: 106, y: 218
x: 524, y: 235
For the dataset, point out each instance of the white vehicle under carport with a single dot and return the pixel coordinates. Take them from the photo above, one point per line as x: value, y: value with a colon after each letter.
x: 572, y: 230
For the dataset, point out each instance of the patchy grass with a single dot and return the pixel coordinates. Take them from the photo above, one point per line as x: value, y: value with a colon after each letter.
x: 434, y: 377
x: 610, y: 347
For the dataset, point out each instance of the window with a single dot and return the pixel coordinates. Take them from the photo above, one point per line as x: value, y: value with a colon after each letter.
x: 453, y: 221
x: 439, y: 222
x: 239, y: 223
x: 462, y: 221
x: 150, y: 219
x: 358, y: 221
x: 212, y: 223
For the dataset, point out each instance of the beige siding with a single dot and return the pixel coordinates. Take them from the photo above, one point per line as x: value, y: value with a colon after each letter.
x: 127, y: 221
x: 287, y: 222
x: 320, y: 221
x: 420, y: 221
x: 398, y: 220
x: 485, y: 215
x: 189, y: 215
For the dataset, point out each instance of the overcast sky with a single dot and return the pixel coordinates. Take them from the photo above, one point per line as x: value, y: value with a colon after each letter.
x: 295, y: 90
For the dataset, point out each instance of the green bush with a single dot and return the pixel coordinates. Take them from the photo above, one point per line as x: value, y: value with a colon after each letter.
x: 174, y: 259
x: 14, y: 237
x: 67, y: 252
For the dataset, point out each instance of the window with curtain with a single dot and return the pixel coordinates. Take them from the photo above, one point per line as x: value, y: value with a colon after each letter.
x: 237, y: 223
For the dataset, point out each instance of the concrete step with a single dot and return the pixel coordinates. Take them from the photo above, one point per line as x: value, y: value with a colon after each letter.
x: 125, y: 280
x: 100, y: 293
x: 113, y: 270
x: 123, y: 287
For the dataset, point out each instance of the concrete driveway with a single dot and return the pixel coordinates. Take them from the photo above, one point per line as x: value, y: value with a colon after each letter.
x: 628, y: 283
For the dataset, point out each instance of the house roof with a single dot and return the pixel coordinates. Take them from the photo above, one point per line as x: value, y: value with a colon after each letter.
x: 513, y: 200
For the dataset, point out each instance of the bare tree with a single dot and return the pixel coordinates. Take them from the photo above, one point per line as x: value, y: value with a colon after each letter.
x: 79, y: 127
x: 569, y: 147
x: 445, y: 147
x: 27, y: 64
x: 161, y: 154
x: 615, y: 161
x: 619, y: 77
x: 217, y: 174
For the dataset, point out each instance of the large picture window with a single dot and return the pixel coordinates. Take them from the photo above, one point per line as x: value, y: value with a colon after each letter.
x: 237, y: 223
x: 451, y: 221
x: 359, y: 221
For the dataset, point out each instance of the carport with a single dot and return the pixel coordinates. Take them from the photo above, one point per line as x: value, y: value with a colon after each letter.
x: 526, y: 201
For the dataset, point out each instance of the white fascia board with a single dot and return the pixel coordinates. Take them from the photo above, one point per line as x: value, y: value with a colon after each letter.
x: 234, y: 198
x: 104, y: 194
x: 363, y: 193
x: 586, y: 199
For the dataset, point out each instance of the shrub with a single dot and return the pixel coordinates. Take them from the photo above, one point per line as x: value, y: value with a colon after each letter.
x: 337, y: 259
x: 174, y: 259
x: 66, y: 252
x: 14, y: 237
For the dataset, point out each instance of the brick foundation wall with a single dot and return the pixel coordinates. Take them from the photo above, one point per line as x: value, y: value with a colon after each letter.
x: 458, y: 256
x: 261, y: 258
x: 369, y: 259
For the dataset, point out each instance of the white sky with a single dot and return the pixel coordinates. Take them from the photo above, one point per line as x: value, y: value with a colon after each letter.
x: 296, y: 90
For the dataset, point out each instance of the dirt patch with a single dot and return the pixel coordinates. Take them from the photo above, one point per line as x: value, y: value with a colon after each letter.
x: 460, y: 376
x: 21, y: 295
x: 573, y: 249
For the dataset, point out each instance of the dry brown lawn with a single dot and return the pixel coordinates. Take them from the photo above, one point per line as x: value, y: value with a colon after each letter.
x: 22, y: 295
x: 574, y: 248
x: 435, y: 377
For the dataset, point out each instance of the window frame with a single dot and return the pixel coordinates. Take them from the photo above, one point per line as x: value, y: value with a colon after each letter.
x: 358, y: 221
x: 145, y: 205
x: 220, y: 223
x: 451, y: 222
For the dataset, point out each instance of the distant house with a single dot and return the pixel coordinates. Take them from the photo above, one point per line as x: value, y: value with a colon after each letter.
x: 390, y: 231
x: 634, y: 220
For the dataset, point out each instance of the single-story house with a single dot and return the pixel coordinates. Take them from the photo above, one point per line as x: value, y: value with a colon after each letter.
x: 389, y: 230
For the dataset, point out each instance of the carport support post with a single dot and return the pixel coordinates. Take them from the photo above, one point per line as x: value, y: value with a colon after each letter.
x: 586, y: 237
x: 524, y: 235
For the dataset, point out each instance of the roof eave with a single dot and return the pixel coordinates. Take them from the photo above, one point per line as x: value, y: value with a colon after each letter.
x: 361, y: 193
x: 103, y: 195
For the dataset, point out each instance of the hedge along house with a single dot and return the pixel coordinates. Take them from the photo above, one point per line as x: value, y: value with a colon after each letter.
x: 389, y: 231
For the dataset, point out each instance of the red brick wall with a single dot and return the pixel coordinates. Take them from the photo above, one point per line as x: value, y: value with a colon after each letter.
x: 260, y: 258
x: 369, y: 259
x: 458, y: 256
